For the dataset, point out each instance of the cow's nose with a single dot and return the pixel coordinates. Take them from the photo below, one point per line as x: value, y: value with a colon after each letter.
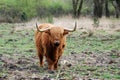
x: 57, y: 43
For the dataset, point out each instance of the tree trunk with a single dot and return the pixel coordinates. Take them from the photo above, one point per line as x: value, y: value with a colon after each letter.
x: 77, y: 6
x: 107, y: 13
x: 75, y: 2
x: 95, y: 8
x: 98, y: 7
x: 118, y: 4
x: 80, y: 7
x: 116, y: 9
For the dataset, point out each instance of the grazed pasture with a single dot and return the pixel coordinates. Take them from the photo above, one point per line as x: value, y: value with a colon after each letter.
x: 91, y: 52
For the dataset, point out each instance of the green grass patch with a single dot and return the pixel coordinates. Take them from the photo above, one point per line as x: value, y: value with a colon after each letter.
x: 100, y: 41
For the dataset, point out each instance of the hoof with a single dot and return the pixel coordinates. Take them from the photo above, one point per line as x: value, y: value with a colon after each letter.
x: 51, y: 71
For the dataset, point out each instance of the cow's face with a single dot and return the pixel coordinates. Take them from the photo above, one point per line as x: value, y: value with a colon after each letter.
x: 56, y: 35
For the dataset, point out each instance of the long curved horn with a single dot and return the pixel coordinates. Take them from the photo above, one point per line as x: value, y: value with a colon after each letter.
x: 72, y: 30
x: 41, y: 30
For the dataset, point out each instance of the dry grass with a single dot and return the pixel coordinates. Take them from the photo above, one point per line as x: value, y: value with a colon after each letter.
x: 67, y: 21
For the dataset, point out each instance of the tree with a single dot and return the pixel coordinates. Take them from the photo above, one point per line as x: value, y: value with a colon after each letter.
x: 77, y: 6
x: 116, y: 4
x: 98, y: 8
x: 107, y: 13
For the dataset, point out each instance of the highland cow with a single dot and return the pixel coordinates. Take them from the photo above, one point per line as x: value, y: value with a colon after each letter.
x: 50, y: 42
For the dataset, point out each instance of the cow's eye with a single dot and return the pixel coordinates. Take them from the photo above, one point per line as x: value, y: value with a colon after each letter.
x: 63, y: 46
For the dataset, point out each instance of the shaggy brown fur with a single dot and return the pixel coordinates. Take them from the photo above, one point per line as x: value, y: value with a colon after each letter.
x: 45, y: 44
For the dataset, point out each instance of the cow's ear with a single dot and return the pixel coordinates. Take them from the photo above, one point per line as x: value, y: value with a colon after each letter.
x: 65, y: 32
x: 48, y: 32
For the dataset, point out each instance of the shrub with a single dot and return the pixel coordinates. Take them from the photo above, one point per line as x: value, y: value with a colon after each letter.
x: 11, y: 14
x: 22, y: 10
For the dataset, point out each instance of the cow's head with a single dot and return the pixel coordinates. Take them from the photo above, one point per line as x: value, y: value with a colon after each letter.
x: 56, y: 33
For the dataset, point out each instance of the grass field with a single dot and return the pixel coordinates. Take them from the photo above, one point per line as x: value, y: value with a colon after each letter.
x: 95, y: 56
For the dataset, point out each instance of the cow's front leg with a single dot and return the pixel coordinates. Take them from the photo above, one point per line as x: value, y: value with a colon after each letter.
x: 40, y: 56
x: 56, y: 65
x: 50, y: 64
x: 41, y: 60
